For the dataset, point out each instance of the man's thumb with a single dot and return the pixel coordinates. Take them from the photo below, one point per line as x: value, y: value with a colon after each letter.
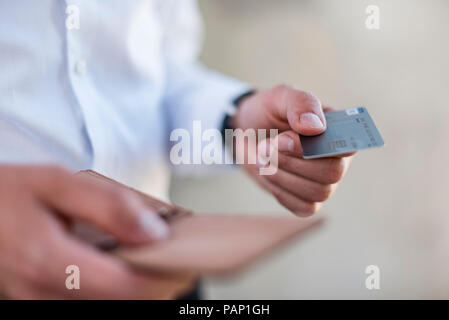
x: 304, y: 113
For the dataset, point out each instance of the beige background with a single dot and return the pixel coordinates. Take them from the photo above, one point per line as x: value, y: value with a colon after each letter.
x: 392, y: 207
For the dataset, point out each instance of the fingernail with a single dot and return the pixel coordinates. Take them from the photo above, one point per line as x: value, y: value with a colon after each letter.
x: 264, y: 151
x: 285, y: 144
x: 154, y: 226
x: 311, y: 120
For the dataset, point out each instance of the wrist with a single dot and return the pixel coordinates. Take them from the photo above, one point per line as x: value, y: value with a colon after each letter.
x: 231, y: 119
x: 238, y: 103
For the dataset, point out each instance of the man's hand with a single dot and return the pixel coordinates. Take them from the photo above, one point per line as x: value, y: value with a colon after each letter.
x: 300, y: 185
x: 37, y: 205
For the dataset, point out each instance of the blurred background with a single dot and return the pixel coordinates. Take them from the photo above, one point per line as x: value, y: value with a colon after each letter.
x: 392, y: 208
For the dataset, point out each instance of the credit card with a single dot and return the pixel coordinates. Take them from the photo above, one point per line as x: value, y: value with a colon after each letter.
x: 347, y: 131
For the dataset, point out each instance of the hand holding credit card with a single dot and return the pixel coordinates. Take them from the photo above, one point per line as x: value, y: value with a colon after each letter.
x: 301, y: 185
x: 347, y: 131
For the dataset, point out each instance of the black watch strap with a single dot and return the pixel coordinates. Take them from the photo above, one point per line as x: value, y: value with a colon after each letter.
x: 236, y: 104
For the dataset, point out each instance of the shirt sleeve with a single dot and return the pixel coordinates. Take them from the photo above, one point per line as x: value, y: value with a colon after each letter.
x: 192, y: 92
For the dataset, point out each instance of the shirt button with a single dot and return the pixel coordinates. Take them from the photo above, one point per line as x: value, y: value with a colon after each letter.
x: 80, y: 67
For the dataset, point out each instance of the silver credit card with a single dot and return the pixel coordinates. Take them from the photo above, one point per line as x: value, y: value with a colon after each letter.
x: 347, y: 131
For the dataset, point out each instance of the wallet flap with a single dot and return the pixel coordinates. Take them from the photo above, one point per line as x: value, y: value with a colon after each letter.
x: 208, y: 243
x: 216, y: 243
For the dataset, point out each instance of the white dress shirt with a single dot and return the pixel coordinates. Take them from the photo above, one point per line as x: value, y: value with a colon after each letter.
x: 107, y: 95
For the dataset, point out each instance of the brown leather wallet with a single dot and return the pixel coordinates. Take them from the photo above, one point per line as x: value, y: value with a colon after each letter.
x: 208, y: 243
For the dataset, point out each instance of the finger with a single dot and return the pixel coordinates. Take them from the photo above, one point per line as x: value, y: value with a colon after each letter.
x: 162, y: 286
x: 42, y: 263
x: 41, y: 268
x: 296, y: 205
x: 102, y: 276
x: 323, y: 170
x: 21, y: 290
x: 111, y: 208
x: 288, y: 143
x: 168, y: 286
x: 302, y: 188
x: 326, y: 171
x: 301, y: 109
x: 327, y: 108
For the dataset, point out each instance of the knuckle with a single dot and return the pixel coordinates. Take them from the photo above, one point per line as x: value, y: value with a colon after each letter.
x: 112, y: 202
x: 120, y: 207
x: 34, y: 271
x: 290, y: 206
x: 316, y: 206
x: 284, y: 161
x: 38, y: 256
x: 322, y: 193
x: 32, y: 275
x: 282, y: 88
x: 56, y: 173
x: 56, y: 170
x: 274, y: 178
x: 282, y: 201
x: 278, y: 195
x: 54, y: 177
x: 334, y: 171
x: 117, y: 199
x: 277, y: 178
x: 301, y: 95
x: 309, y: 96
x: 308, y: 209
